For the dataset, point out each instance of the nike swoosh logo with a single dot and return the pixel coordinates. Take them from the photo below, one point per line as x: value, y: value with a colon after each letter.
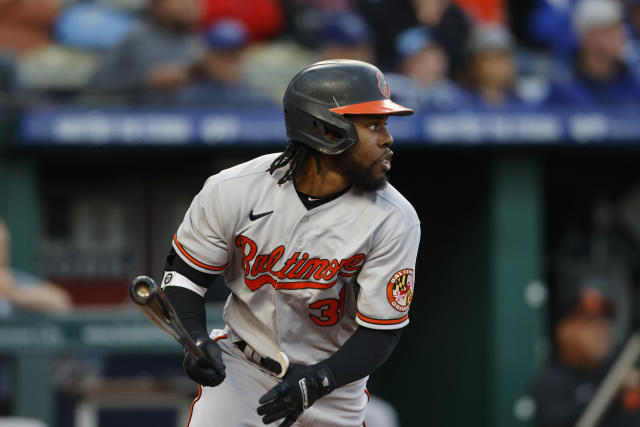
x: 253, y: 217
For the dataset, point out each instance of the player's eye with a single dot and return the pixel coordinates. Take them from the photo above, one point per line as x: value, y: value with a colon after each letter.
x: 374, y: 126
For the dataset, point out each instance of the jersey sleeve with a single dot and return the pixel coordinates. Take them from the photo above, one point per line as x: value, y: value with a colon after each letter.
x: 200, y: 240
x: 387, y: 282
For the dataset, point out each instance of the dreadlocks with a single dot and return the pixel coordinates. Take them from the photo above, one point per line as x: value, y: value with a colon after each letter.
x: 296, y: 156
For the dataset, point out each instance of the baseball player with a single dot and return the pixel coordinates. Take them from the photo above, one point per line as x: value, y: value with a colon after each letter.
x: 318, y: 251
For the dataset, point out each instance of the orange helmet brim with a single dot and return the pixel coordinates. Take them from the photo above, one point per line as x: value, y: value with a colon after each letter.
x: 382, y: 106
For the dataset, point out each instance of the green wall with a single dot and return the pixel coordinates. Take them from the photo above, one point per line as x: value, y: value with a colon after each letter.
x: 515, y: 316
x: 19, y: 207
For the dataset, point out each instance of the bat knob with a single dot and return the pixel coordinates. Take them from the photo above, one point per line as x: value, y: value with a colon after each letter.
x: 143, y: 289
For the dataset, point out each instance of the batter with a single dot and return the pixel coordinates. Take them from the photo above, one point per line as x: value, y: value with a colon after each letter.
x: 318, y: 250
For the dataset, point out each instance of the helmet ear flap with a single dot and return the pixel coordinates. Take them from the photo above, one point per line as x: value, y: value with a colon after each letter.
x: 332, y: 133
x: 331, y: 136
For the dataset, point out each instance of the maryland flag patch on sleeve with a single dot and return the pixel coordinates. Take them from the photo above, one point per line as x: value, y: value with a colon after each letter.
x: 400, y: 289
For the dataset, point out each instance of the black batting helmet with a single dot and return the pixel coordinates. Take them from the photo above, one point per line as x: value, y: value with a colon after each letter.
x: 320, y: 95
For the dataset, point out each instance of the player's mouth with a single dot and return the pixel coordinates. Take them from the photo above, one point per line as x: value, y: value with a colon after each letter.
x: 385, y: 161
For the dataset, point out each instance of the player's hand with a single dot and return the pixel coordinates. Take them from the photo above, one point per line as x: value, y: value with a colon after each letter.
x: 300, y: 387
x: 209, y: 372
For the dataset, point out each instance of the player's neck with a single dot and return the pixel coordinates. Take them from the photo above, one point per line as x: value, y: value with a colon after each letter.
x: 327, y: 180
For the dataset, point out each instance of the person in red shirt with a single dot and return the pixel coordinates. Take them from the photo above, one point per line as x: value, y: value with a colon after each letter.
x: 264, y: 19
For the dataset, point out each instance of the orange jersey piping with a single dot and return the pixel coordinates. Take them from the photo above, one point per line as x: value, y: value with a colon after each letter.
x: 200, y: 387
x: 194, y: 403
x: 382, y: 322
x: 195, y: 261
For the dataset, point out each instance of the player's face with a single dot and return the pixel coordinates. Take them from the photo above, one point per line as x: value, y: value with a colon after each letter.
x: 366, y: 163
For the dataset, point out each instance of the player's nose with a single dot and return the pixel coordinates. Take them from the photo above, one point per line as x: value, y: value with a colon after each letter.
x: 386, y: 140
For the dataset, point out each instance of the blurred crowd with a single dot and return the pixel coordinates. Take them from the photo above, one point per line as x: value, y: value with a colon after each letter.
x: 438, y: 54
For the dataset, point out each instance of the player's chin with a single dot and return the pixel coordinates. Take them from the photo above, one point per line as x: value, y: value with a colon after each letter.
x: 384, y: 165
x: 370, y: 182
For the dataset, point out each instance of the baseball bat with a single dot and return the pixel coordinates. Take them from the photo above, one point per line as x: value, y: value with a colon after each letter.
x: 611, y: 384
x: 156, y: 306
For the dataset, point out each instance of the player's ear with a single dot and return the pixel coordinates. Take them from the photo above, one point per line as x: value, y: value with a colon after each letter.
x: 332, y: 135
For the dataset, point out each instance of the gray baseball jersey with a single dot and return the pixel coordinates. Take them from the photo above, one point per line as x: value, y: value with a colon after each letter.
x: 301, y: 280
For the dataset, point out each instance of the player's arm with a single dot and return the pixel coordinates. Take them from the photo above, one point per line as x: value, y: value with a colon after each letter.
x: 185, y: 288
x: 364, y: 352
x: 198, y: 254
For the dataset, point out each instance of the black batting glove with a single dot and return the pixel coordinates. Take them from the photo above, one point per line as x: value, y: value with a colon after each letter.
x: 209, y: 372
x: 300, y: 387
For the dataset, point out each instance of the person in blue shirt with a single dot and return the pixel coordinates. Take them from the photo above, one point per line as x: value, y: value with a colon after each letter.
x: 156, y: 57
x: 597, y: 74
x: 548, y: 24
x: 219, y: 80
x: 491, y: 71
x: 346, y: 35
x: 422, y: 81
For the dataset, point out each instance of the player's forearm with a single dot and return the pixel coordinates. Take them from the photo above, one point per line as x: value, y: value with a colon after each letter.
x: 190, y: 308
x: 362, y: 354
x: 189, y: 305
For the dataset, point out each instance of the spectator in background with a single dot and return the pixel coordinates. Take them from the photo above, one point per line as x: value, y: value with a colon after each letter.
x: 304, y: 19
x: 633, y: 19
x: 632, y: 53
x: 26, y: 24
x: 491, y: 70
x: 423, y: 65
x: 157, y: 57
x: 220, y: 79
x: 345, y: 35
x: 20, y: 291
x: 550, y: 25
x: 389, y: 18
x: 450, y: 27
x: 264, y: 19
x: 583, y: 342
x: 485, y: 11
x: 597, y: 73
